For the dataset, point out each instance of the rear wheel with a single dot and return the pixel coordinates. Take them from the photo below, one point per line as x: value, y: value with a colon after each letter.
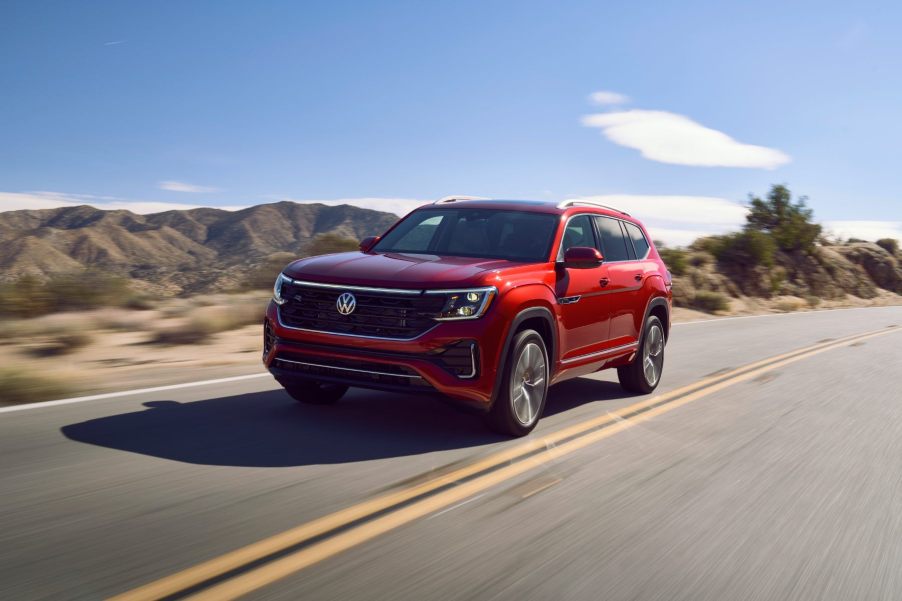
x: 644, y: 373
x: 521, y: 398
x: 312, y: 392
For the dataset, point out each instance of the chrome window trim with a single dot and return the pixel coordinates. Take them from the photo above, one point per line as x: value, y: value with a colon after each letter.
x: 559, y: 256
x: 360, y: 371
x: 644, y: 237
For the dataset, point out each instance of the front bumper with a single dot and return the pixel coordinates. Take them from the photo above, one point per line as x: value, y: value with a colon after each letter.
x: 456, y: 359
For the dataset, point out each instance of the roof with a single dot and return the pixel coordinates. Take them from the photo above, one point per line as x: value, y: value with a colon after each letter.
x: 539, y: 206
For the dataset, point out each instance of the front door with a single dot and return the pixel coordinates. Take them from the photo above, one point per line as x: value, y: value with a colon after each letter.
x: 579, y: 295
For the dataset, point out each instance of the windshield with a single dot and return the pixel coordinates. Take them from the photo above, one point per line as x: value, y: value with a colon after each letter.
x: 486, y: 233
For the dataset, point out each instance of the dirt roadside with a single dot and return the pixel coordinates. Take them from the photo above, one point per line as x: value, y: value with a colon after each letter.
x: 121, y: 351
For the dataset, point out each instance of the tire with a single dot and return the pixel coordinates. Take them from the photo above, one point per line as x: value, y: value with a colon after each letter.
x: 524, y: 386
x: 644, y: 373
x: 312, y: 392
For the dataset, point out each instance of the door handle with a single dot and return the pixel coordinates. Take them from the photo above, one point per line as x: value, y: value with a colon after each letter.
x: 603, y: 281
x: 638, y: 277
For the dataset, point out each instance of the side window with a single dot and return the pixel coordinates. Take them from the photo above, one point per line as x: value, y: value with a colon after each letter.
x: 578, y: 233
x: 612, y: 239
x: 639, y: 241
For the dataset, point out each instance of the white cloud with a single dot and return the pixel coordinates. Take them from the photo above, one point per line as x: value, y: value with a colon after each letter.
x: 684, y: 209
x: 865, y: 230
x: 174, y: 186
x: 16, y: 201
x: 678, y: 220
x: 671, y: 138
x: 603, y: 97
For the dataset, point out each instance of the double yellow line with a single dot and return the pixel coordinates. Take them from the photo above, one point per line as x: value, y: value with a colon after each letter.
x: 249, y: 568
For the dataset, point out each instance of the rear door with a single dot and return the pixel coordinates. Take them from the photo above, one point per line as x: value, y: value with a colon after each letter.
x: 623, y: 292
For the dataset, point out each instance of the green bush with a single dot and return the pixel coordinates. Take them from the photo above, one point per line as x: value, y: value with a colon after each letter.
x: 776, y: 278
x: 708, y: 244
x: 745, y: 249
x: 23, y: 386
x: 699, y: 259
x: 677, y: 260
x: 789, y: 223
x: 710, y: 302
x: 890, y: 245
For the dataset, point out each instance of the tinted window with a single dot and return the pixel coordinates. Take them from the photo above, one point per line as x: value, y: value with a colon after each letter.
x: 484, y: 233
x: 421, y: 234
x: 612, y: 240
x: 639, y: 241
x: 578, y: 233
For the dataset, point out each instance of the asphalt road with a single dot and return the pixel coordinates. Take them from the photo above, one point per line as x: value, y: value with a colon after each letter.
x: 782, y: 482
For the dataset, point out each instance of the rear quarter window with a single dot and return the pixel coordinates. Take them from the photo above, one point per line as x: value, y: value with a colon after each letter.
x: 639, y: 242
x: 612, y: 239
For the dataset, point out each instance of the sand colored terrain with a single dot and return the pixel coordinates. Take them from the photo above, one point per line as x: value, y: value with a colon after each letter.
x: 129, y: 349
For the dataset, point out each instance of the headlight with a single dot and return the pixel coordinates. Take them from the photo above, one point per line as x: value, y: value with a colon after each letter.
x: 277, y: 288
x: 469, y: 303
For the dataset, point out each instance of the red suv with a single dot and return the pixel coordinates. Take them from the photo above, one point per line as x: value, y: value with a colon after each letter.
x: 487, y: 302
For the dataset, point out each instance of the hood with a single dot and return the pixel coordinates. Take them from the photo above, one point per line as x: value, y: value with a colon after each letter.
x: 394, y: 270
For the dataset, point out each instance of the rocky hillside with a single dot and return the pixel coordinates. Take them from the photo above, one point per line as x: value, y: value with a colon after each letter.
x: 862, y: 270
x: 175, y: 251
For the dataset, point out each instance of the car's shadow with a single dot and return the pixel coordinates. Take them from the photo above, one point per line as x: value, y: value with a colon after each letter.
x: 268, y: 429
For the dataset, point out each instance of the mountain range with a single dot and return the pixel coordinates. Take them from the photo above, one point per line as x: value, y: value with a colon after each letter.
x: 174, y: 252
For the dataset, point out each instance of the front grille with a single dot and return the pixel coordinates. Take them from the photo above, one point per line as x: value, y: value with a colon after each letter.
x: 380, y: 314
x: 351, y: 372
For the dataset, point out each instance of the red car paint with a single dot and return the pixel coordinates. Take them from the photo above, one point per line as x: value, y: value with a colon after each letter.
x: 599, y: 331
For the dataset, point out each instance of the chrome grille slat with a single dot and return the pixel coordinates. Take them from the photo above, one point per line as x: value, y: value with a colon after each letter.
x: 382, y: 314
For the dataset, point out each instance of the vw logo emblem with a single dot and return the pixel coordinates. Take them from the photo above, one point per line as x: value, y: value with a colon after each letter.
x: 346, y: 303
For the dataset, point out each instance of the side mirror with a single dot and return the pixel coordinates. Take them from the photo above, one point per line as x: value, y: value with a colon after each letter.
x: 369, y: 242
x: 582, y: 257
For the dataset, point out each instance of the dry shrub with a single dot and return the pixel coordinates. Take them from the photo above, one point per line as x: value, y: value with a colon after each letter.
x: 63, y: 344
x: 30, y: 296
x: 120, y: 321
x: 710, y: 302
x: 787, y: 305
x: 23, y: 386
x: 13, y: 330
x: 204, y: 322
x: 813, y: 301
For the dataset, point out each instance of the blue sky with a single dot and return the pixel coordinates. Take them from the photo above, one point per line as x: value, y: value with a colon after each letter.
x: 384, y: 104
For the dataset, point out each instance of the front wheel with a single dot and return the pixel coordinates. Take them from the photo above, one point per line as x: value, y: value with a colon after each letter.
x: 644, y: 373
x: 312, y: 392
x: 521, y: 397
